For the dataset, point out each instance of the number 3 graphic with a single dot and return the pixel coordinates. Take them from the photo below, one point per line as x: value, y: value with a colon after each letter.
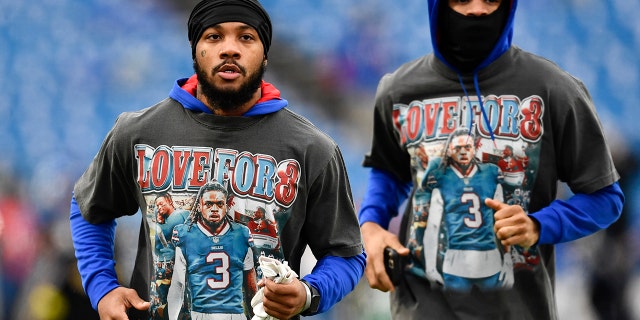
x: 474, y: 209
x: 222, y: 270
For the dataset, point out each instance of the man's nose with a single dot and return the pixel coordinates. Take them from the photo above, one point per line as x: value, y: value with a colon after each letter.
x: 230, y: 49
x: 477, y: 8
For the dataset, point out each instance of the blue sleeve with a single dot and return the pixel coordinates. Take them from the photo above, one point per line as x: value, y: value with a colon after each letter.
x: 335, y: 277
x: 383, y: 197
x: 580, y: 215
x: 94, y: 247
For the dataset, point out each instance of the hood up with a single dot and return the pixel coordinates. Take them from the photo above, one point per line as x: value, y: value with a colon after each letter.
x: 502, y: 45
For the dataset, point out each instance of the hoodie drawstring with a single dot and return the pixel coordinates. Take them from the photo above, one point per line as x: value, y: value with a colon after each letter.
x: 484, y: 113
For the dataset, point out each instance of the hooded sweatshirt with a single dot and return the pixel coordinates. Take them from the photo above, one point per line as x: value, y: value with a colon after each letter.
x: 530, y: 124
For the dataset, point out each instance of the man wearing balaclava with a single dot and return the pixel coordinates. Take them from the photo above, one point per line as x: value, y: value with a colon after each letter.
x: 224, y: 138
x: 477, y: 82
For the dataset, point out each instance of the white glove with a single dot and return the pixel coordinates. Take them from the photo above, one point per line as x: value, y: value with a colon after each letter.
x: 279, y: 272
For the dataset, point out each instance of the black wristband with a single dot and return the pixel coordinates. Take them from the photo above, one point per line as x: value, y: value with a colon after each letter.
x: 315, y: 300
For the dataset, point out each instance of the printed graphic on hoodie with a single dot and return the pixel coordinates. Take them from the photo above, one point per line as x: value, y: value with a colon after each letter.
x: 212, y: 213
x: 461, y: 157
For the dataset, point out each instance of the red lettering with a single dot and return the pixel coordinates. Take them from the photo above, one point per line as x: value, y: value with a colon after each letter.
x: 449, y: 123
x: 143, y: 171
x: 181, y: 164
x: 414, y: 123
x: 201, y: 167
x: 160, y: 165
x: 431, y: 118
x: 287, y: 186
x: 531, y: 124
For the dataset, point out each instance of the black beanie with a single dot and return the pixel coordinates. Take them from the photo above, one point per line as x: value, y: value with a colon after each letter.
x: 208, y: 13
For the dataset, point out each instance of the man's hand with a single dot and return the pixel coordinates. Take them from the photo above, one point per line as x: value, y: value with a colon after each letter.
x: 512, y: 225
x: 283, y: 300
x: 375, y: 240
x: 114, y: 305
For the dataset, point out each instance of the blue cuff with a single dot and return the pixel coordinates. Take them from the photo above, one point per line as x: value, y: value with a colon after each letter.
x: 580, y: 215
x: 384, y: 195
x: 94, y: 247
x: 335, y: 277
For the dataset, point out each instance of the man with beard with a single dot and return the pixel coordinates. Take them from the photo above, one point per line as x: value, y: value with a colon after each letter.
x: 457, y: 187
x: 219, y: 125
x: 477, y: 81
x: 214, y: 258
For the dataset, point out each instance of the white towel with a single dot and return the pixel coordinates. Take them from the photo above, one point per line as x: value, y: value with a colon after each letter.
x: 272, y: 269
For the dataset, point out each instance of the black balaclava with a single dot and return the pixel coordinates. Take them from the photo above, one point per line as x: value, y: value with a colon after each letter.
x: 465, y: 41
x: 208, y: 13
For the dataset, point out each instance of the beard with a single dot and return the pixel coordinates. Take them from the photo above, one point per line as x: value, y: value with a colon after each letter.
x: 228, y: 99
x: 213, y: 225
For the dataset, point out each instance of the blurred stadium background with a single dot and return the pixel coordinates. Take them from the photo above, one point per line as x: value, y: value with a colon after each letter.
x: 70, y: 67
